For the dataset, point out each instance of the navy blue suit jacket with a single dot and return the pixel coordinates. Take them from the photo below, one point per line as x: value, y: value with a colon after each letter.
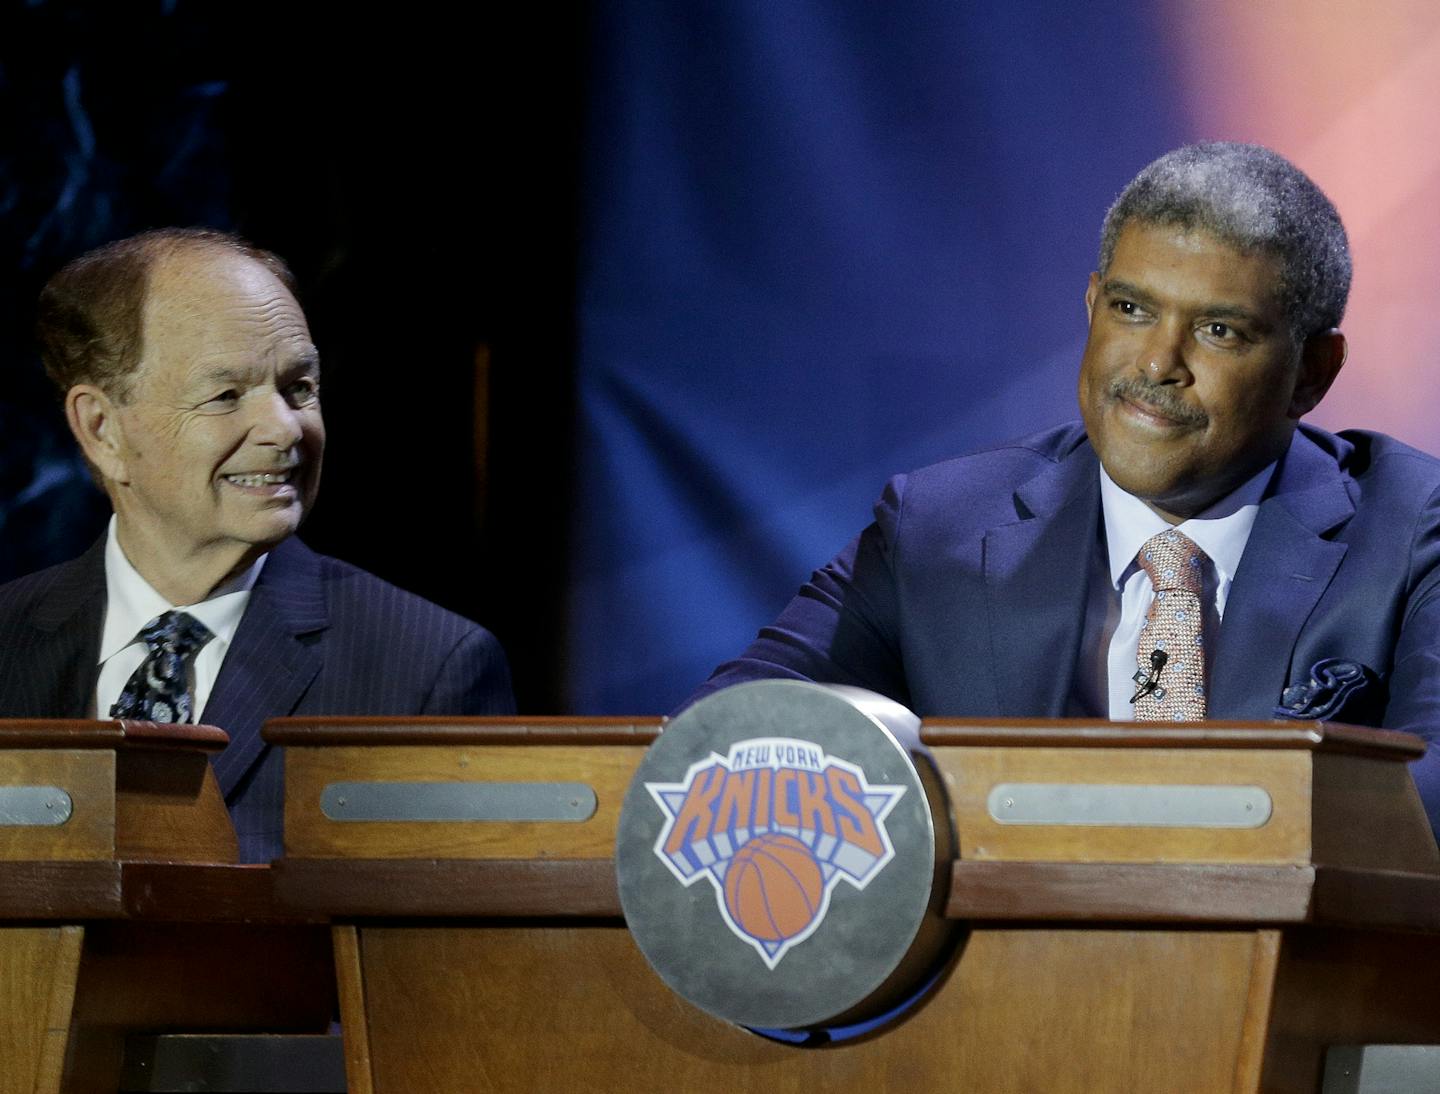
x: 318, y: 637
x: 966, y: 597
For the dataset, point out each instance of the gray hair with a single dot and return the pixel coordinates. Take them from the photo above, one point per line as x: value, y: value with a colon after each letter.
x: 1254, y: 200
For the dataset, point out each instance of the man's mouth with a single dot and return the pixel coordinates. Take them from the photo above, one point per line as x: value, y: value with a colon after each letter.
x: 1156, y: 405
x: 1148, y: 410
x: 262, y: 478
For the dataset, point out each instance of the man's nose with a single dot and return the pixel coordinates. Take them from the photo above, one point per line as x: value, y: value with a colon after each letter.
x: 1162, y: 358
x: 276, y: 422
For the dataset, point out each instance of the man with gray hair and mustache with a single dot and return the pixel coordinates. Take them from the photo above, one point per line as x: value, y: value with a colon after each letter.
x: 1188, y: 550
x: 191, y: 383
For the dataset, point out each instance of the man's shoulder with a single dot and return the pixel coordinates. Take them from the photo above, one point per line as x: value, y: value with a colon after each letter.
x: 1011, y: 462
x: 1377, y: 464
x: 24, y: 597
x: 984, y: 483
x: 1362, y: 452
x: 994, y: 486
x: 388, y: 648
x: 355, y: 599
x: 33, y: 587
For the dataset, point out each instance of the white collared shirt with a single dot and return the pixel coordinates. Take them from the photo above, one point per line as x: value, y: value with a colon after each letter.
x: 131, y: 603
x: 1121, y: 593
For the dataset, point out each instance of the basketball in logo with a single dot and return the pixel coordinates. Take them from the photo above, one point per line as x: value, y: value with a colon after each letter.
x: 774, y: 888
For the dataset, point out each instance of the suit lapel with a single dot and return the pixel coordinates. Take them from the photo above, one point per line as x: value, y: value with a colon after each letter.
x: 1283, y: 573
x: 1036, y: 573
x: 273, y: 659
x: 63, y: 664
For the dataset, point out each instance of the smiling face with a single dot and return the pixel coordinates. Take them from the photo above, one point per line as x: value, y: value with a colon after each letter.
x: 1191, y: 381
x: 214, y: 454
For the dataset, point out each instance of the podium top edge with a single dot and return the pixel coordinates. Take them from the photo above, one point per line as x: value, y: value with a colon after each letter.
x: 1311, y: 736
x: 439, y: 730
x: 935, y: 732
x: 83, y: 733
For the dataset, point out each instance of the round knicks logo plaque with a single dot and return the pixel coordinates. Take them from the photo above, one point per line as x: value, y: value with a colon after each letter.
x: 774, y: 827
x: 776, y: 851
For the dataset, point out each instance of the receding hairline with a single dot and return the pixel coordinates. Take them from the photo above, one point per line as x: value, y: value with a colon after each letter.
x: 172, y: 255
x: 168, y: 306
x: 91, y: 313
x: 176, y: 265
x: 185, y: 257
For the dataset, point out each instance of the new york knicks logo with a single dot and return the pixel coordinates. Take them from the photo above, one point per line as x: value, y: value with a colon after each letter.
x: 774, y: 826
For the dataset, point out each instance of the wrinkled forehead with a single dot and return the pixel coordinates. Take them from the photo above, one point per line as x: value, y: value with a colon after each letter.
x: 206, y: 304
x: 208, y: 283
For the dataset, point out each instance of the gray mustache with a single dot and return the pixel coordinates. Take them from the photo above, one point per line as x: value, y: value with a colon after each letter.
x: 1160, y: 397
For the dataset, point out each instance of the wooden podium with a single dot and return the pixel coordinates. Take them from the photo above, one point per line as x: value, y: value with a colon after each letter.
x: 1114, y: 946
x: 121, y: 908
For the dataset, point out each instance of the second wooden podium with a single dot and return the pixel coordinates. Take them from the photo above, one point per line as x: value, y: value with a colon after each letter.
x: 122, y: 909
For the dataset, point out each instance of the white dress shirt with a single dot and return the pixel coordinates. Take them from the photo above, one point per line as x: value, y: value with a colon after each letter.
x: 131, y: 603
x: 1121, y: 593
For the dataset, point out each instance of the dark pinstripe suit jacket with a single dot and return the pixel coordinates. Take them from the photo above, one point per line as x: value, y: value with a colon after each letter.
x: 318, y: 637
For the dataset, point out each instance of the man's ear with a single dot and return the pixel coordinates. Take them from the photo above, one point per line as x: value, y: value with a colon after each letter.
x: 1092, y: 293
x: 1321, y: 357
x: 92, y: 417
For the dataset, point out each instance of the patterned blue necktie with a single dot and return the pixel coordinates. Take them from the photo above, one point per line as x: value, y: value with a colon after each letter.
x: 159, y: 691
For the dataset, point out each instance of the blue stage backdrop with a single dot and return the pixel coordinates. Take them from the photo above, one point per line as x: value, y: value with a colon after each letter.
x: 823, y: 242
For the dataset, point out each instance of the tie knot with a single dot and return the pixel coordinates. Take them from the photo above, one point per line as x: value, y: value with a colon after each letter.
x: 1173, y: 561
x: 174, y: 632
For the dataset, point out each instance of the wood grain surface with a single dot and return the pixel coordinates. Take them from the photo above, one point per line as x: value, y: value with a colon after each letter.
x: 169, y: 808
x: 350, y: 986
x: 1348, y: 987
x: 88, y: 776
x: 75, y: 733
x: 37, y: 981
x: 448, y: 887
x: 1077, y: 733
x: 321, y: 732
x: 1368, y: 815
x: 607, y: 769
x: 1053, y: 1010
x: 971, y: 773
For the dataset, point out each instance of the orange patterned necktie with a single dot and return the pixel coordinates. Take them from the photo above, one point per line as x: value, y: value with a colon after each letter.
x: 1173, y: 690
